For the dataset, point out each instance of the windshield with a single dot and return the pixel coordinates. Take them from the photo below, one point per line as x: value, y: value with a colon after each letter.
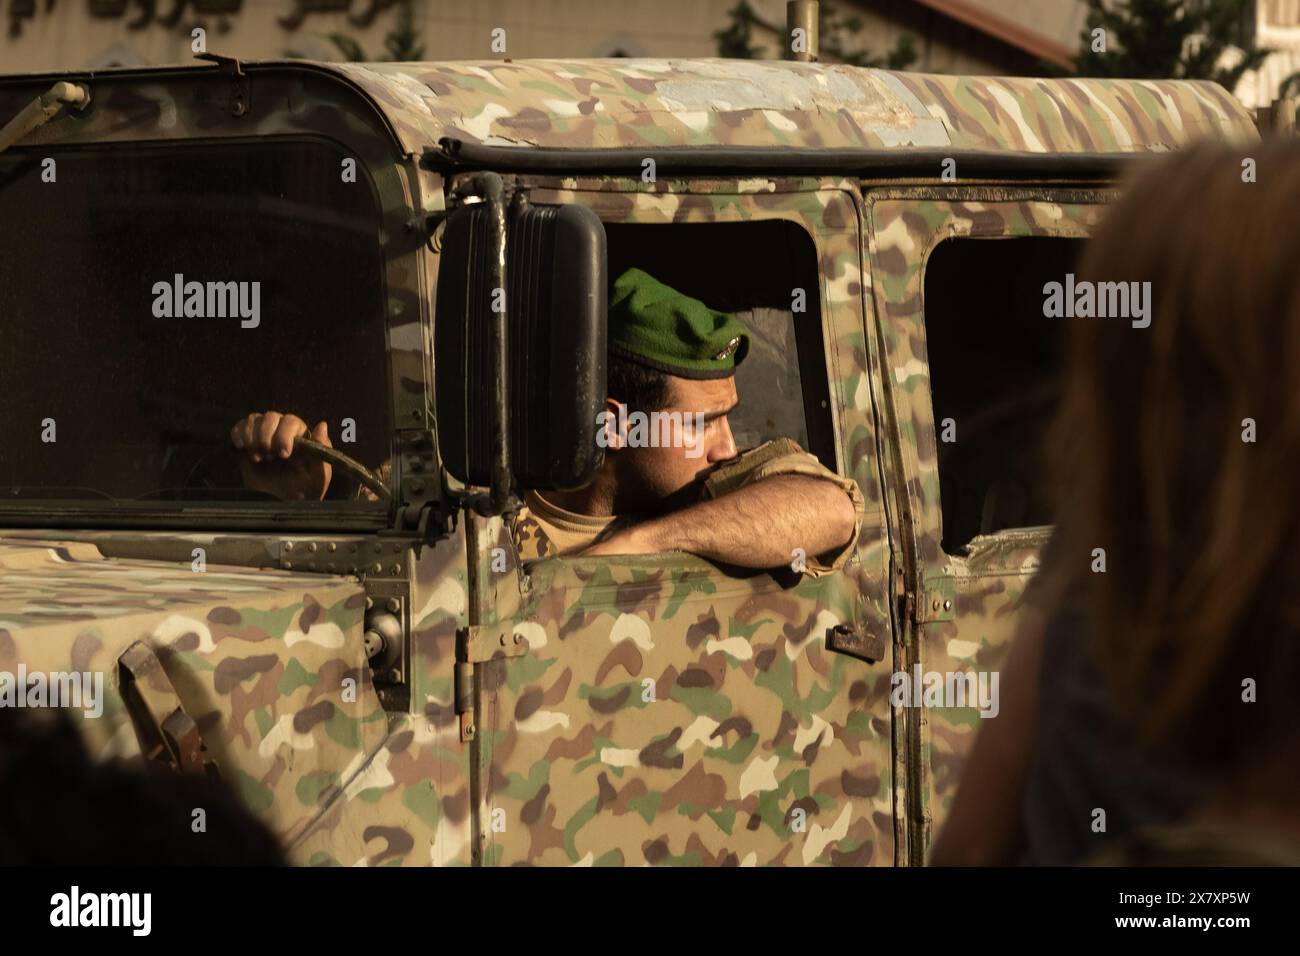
x: 151, y: 297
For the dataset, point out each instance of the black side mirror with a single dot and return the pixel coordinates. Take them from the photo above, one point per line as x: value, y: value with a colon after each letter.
x: 536, y: 409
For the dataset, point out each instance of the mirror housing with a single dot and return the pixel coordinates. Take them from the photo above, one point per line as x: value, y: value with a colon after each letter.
x: 538, y: 408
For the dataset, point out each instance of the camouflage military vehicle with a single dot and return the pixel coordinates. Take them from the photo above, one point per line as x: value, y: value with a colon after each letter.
x: 378, y: 674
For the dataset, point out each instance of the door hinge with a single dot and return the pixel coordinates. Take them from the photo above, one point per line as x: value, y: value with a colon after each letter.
x: 477, y: 644
x: 937, y: 601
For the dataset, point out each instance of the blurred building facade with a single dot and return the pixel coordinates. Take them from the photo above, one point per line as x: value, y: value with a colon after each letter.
x: 950, y: 36
x: 1277, y: 26
x: 989, y: 37
x: 1010, y: 37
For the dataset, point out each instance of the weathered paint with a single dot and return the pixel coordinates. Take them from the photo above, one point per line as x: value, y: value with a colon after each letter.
x: 599, y: 104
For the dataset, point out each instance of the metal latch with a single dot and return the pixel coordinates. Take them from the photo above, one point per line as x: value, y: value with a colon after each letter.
x: 167, y: 734
x: 869, y: 646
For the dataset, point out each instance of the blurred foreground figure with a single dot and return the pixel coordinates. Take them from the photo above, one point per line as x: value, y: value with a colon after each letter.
x: 1149, y: 710
x: 58, y: 807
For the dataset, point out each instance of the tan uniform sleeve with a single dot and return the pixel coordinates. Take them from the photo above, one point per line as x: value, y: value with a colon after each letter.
x: 783, y: 456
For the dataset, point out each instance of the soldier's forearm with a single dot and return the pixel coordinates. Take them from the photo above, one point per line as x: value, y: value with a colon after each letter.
x: 759, y: 526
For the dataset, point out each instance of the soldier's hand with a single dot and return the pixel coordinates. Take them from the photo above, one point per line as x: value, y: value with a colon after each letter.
x: 268, y: 463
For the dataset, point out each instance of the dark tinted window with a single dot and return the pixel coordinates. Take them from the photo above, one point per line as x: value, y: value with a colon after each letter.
x: 995, y: 364
x: 140, y: 400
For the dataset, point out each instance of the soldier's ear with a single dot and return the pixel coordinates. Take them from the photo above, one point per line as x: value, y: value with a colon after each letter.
x: 615, y: 423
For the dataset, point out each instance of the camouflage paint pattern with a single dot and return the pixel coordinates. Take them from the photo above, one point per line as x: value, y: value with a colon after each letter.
x: 408, y: 801
x: 649, y: 102
x: 410, y: 805
x: 973, y: 632
x: 755, y: 722
x: 260, y: 660
x: 666, y: 712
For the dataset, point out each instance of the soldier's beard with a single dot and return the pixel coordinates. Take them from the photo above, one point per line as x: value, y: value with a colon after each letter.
x: 648, y: 482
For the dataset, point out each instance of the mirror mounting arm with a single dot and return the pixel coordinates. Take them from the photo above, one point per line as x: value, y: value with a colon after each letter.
x: 489, y: 187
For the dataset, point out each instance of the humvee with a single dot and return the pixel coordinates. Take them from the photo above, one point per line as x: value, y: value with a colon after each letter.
x: 377, y: 673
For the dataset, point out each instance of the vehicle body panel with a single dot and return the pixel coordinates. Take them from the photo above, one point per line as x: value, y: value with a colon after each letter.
x: 258, y: 658
x: 646, y: 102
x: 756, y: 721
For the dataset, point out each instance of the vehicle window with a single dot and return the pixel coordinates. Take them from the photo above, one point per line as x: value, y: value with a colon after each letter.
x: 995, y: 364
x: 159, y: 294
x: 753, y: 270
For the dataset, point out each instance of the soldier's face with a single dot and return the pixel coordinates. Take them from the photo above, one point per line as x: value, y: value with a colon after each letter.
x: 690, y: 435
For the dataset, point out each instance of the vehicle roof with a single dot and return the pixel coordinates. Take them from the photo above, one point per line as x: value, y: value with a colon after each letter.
x: 622, y: 103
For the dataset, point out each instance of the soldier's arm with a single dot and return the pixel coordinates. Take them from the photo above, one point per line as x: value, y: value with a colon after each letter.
x: 758, y: 526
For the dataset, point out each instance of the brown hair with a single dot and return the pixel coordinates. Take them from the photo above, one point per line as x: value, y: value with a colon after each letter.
x: 1201, y: 588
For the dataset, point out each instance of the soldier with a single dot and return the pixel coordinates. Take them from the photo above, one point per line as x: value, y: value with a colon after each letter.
x: 672, y: 479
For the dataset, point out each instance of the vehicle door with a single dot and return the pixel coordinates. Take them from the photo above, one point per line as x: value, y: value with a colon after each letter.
x: 664, y: 710
x: 972, y: 365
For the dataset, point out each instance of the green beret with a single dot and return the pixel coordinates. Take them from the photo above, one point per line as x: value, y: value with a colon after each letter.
x: 653, y: 325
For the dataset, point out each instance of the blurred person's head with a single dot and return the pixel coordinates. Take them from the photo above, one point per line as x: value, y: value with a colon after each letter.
x: 60, y: 807
x: 1201, y: 528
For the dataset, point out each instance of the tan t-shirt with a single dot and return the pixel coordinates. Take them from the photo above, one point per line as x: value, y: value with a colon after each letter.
x: 559, y: 531
x: 543, y: 530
